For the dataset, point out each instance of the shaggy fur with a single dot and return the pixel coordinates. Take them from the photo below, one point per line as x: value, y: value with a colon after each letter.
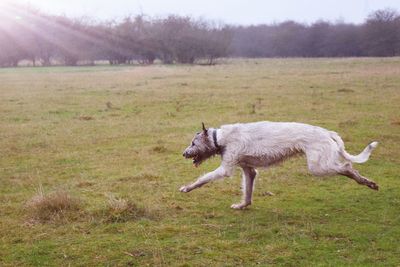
x: 262, y: 144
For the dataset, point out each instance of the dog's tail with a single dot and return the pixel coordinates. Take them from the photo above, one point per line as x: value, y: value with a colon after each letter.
x: 360, y: 158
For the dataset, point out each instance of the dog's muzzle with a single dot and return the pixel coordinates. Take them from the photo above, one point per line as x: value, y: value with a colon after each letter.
x: 196, y: 159
x: 185, y: 153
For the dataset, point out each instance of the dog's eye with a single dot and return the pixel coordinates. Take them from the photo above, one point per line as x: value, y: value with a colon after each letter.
x: 192, y: 143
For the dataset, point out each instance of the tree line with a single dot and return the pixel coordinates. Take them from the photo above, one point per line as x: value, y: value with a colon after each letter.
x: 43, y: 39
x: 378, y: 36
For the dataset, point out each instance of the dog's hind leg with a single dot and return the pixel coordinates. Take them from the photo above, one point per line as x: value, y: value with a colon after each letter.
x: 347, y: 170
x: 326, y: 162
x: 248, y: 177
x: 219, y: 173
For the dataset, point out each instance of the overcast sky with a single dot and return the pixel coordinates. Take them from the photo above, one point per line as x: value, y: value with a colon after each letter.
x: 228, y: 11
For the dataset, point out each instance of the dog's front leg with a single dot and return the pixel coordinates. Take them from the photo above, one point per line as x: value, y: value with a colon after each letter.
x: 248, y: 177
x: 219, y: 173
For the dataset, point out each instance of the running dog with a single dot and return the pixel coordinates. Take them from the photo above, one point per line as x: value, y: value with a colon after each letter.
x: 263, y: 144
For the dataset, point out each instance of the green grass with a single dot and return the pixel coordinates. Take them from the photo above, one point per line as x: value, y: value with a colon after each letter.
x: 57, y: 132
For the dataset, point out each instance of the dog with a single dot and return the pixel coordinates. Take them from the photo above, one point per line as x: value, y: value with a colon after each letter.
x: 263, y: 144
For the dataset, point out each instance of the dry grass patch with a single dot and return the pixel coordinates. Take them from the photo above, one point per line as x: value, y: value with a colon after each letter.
x: 85, y: 118
x: 53, y: 206
x: 395, y: 122
x: 123, y: 210
x: 345, y: 90
x: 159, y: 149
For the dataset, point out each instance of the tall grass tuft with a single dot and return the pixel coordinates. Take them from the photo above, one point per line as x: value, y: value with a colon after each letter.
x: 122, y: 210
x: 53, y: 206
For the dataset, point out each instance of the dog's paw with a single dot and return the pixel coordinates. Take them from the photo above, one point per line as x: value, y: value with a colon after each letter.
x: 239, y: 206
x: 184, y: 189
x: 373, y: 185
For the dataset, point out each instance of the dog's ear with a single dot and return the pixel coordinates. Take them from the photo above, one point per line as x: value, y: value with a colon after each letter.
x: 204, y: 128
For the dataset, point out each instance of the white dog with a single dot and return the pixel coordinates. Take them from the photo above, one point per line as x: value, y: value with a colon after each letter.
x: 262, y: 144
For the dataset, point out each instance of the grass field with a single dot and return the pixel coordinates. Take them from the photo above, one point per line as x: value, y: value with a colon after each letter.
x: 102, y: 145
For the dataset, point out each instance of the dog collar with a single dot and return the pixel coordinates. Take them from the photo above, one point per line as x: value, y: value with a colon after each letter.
x: 214, y: 134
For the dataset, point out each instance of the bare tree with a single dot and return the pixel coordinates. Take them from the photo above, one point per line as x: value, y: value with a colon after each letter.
x: 382, y: 33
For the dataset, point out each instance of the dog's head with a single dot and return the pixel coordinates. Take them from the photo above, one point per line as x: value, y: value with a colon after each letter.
x: 201, y: 148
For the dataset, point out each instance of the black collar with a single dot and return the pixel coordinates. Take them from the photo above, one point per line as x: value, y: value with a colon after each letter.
x: 214, y: 134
